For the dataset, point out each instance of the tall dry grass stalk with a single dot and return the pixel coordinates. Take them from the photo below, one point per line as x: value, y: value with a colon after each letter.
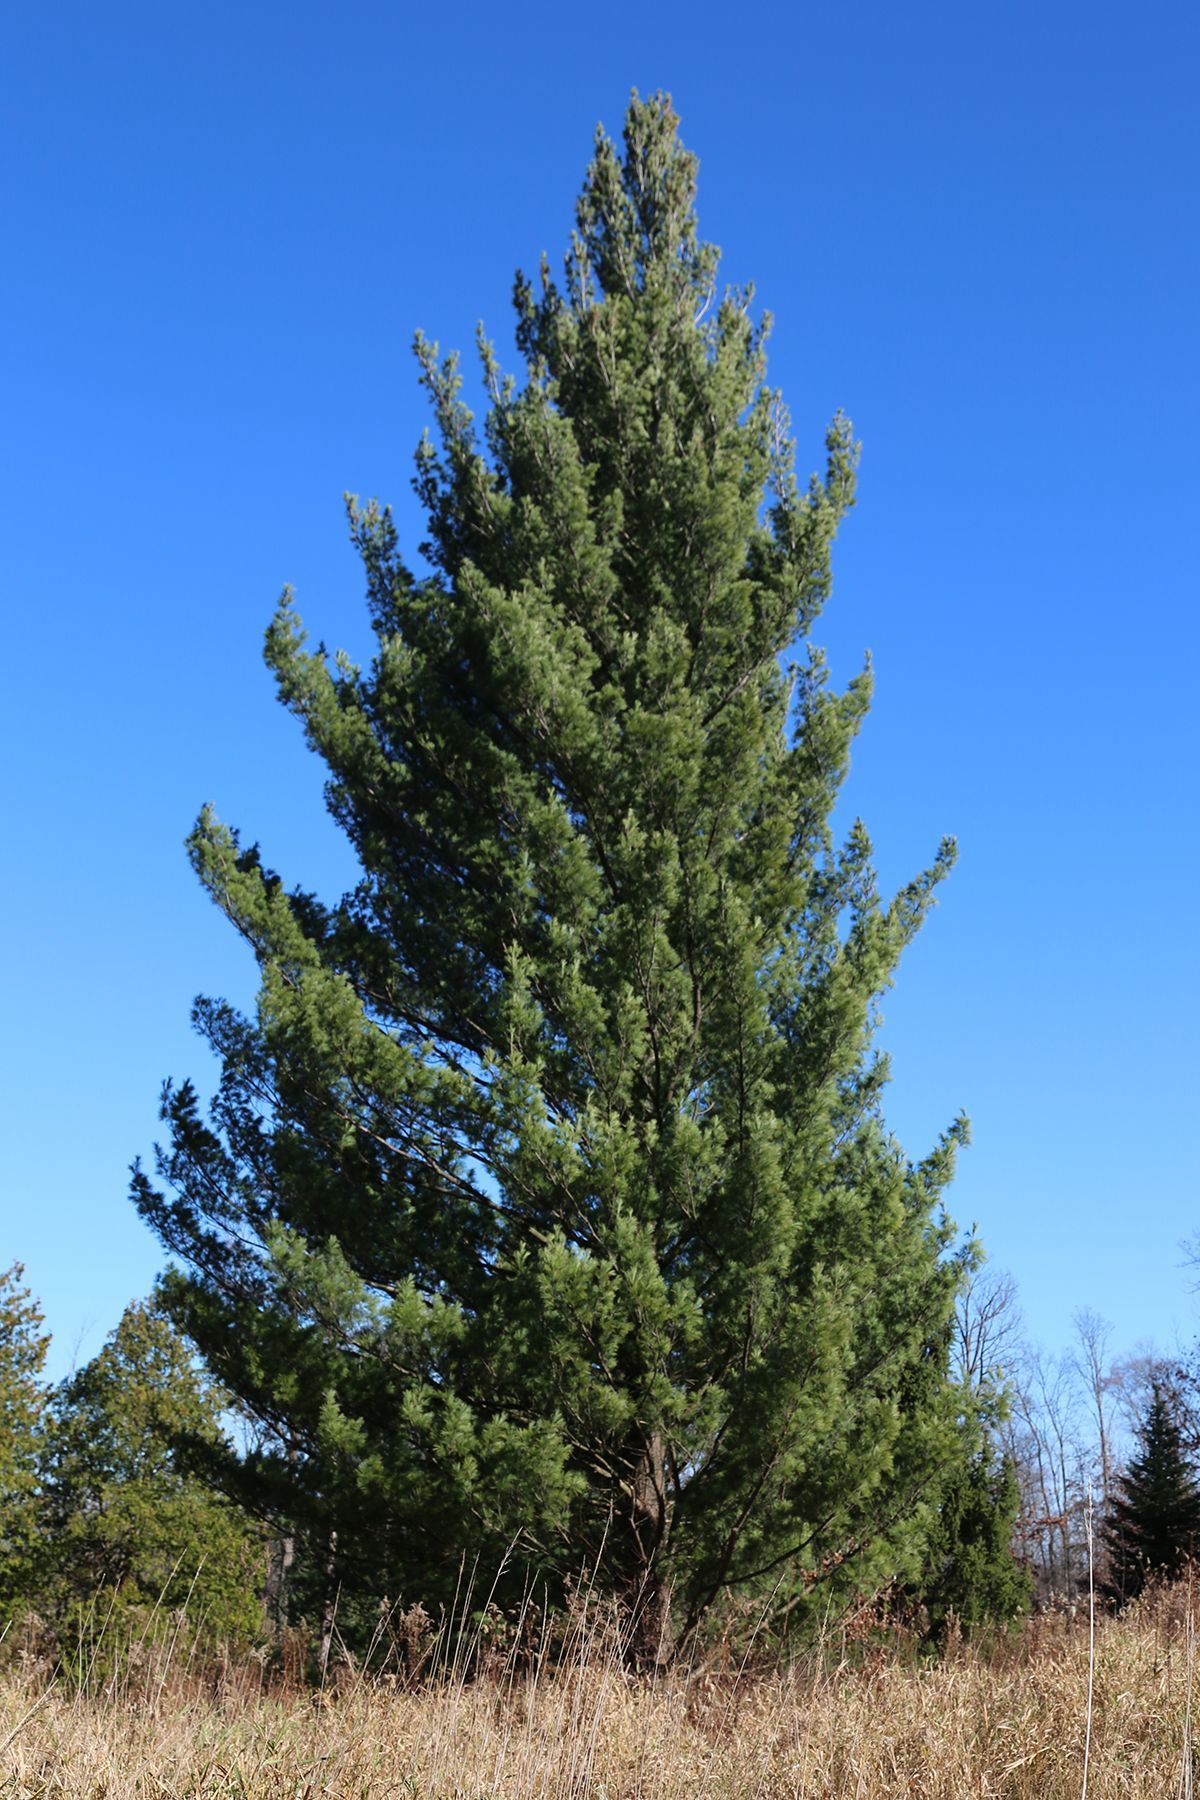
x: 1091, y: 1687
x: 1007, y: 1720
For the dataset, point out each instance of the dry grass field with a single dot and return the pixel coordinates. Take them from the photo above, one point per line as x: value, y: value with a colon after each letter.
x: 1007, y: 1721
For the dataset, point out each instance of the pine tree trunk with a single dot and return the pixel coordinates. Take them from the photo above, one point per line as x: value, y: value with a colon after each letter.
x: 283, y: 1555
x: 648, y: 1626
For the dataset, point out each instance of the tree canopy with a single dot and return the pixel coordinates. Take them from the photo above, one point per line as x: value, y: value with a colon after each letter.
x: 546, y: 1213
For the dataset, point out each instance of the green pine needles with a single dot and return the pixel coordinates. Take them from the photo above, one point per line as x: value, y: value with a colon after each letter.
x: 546, y: 1217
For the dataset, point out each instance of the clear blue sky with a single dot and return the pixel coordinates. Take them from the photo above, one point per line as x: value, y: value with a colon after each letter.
x: 977, y: 229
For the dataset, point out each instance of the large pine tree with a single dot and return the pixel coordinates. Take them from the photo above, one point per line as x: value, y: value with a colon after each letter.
x: 546, y: 1210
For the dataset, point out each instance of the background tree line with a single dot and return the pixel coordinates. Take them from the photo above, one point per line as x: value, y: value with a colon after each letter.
x: 108, y: 1520
x: 1101, y: 1447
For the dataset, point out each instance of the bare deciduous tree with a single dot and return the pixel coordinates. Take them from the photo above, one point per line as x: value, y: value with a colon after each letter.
x: 1096, y: 1374
x: 988, y: 1328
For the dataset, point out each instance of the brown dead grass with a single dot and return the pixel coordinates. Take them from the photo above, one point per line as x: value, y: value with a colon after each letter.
x: 1008, y: 1722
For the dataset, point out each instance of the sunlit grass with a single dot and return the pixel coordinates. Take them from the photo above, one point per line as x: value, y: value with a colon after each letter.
x: 1003, y: 1720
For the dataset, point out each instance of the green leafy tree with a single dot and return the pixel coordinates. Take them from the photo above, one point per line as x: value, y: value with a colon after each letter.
x: 1153, y: 1523
x: 546, y: 1210
x: 23, y: 1392
x: 133, y: 1528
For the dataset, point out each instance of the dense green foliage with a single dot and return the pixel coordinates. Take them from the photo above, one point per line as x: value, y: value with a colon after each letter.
x: 23, y: 1347
x: 970, y: 1573
x: 546, y: 1211
x: 131, y: 1527
x: 1153, y: 1523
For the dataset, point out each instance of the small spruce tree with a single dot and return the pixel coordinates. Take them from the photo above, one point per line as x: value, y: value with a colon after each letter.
x: 546, y: 1215
x: 971, y: 1571
x: 1153, y: 1522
